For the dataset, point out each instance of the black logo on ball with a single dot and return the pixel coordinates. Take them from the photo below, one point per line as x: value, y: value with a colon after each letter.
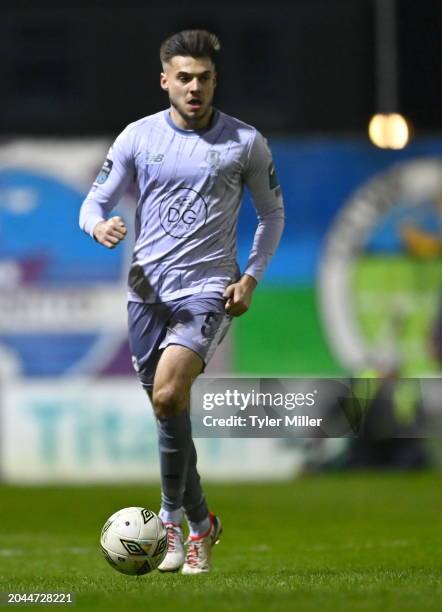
x: 132, y: 547
x: 183, y: 211
x: 147, y: 515
x: 161, y: 546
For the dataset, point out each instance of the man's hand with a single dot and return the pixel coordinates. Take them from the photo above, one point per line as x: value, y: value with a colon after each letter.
x: 239, y: 295
x: 111, y: 232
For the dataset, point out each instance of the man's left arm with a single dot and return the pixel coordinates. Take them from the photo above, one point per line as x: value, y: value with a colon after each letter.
x: 261, y: 180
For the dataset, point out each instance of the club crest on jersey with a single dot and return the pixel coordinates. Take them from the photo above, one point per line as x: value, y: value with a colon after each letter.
x: 154, y: 158
x: 213, y: 157
x: 212, y: 161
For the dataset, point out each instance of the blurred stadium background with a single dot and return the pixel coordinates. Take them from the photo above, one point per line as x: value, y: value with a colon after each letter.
x: 354, y: 289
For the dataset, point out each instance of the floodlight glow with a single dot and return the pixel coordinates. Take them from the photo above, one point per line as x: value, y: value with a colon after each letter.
x: 389, y: 131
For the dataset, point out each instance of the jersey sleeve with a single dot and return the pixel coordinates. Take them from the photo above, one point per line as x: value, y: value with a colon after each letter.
x: 112, y: 181
x: 262, y: 182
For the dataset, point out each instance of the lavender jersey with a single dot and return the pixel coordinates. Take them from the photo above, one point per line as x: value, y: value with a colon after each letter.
x: 189, y: 191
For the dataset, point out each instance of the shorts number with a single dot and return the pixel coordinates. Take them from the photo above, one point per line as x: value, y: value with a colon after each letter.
x: 207, y: 321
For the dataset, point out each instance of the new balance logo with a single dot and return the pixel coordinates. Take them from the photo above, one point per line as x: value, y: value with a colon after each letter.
x: 154, y: 158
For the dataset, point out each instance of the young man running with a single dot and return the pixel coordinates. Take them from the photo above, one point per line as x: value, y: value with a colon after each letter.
x: 190, y: 164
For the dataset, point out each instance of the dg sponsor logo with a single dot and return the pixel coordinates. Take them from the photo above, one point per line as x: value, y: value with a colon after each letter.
x: 183, y: 212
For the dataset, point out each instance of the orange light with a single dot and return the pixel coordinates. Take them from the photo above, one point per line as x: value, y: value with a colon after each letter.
x: 389, y: 131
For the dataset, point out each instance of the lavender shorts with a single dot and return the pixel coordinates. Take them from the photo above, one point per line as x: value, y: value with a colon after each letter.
x: 198, y: 322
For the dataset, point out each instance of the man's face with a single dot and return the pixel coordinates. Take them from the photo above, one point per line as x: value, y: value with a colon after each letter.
x: 190, y: 82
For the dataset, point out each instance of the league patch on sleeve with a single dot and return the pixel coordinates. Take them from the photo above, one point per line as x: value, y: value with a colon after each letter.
x: 273, y: 179
x: 104, y: 172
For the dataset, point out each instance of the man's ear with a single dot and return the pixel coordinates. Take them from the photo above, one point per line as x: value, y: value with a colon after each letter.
x: 164, y: 81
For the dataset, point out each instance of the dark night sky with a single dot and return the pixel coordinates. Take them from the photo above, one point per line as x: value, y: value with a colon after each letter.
x: 300, y: 66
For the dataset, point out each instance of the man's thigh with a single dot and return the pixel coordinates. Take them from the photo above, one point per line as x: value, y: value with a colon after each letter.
x: 198, y: 323
x: 182, y: 335
x: 176, y: 370
x: 194, y: 331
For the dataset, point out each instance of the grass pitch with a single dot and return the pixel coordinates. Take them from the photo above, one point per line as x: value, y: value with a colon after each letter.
x: 334, y: 542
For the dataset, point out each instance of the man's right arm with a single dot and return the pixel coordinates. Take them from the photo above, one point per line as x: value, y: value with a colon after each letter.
x: 109, y: 186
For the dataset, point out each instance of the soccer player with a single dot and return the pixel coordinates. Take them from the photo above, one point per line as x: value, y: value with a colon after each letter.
x: 190, y: 163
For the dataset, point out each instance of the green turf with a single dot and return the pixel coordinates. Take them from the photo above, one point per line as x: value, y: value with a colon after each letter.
x: 338, y: 542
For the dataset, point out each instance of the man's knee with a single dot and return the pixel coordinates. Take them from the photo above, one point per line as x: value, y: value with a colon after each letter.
x: 168, y: 400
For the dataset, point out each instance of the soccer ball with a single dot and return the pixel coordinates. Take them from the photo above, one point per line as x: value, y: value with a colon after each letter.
x: 134, y: 541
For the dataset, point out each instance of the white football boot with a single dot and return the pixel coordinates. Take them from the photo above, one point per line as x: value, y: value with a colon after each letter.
x: 199, y: 549
x: 174, y: 558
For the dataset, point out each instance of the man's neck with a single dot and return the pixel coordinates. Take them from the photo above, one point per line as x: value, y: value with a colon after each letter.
x: 199, y: 124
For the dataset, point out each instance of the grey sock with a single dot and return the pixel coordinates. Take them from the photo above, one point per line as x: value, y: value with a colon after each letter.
x: 194, y: 501
x: 174, y: 440
x: 180, y: 481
